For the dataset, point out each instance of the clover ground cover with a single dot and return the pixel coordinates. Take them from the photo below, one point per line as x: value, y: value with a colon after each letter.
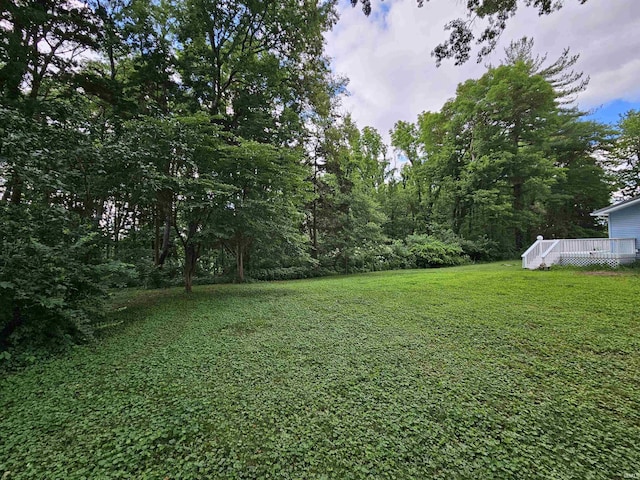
x: 470, y: 372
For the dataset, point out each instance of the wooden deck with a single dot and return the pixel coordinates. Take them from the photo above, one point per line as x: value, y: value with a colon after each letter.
x: 581, y: 252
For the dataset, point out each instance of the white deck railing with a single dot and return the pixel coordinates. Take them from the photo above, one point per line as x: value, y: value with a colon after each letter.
x: 625, y: 246
x: 578, y: 251
x: 531, y: 258
x: 552, y: 254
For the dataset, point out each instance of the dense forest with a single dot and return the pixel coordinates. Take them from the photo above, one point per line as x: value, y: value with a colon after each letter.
x: 156, y: 143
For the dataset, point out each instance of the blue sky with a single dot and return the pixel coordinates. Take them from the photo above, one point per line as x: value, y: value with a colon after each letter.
x: 611, y: 111
x: 387, y: 56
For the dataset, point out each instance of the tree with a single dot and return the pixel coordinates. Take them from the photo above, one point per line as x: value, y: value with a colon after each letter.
x: 495, y: 13
x: 627, y: 153
x: 223, y: 40
x: 40, y: 39
x: 398, y: 203
x: 584, y: 185
x: 265, y: 200
x: 509, y: 157
x: 564, y: 81
x: 257, y: 69
x: 419, y: 145
x: 177, y: 159
x: 481, y: 160
x: 347, y: 215
x: 182, y: 128
x: 256, y: 72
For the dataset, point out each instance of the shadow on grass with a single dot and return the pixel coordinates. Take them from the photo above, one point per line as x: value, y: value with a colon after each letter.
x: 133, y: 305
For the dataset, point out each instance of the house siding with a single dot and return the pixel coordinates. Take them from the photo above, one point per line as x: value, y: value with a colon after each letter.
x: 625, y: 223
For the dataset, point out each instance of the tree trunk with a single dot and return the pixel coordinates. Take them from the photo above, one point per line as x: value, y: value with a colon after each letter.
x: 240, y: 261
x: 314, y: 213
x: 164, y: 205
x: 99, y: 213
x: 314, y: 231
x: 190, y: 261
x: 518, y: 206
x: 6, y: 196
x: 166, y: 237
x: 9, y: 328
x: 156, y: 237
x: 16, y: 190
x: 191, y: 253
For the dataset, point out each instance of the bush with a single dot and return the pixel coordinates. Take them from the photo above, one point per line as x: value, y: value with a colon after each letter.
x: 280, y: 273
x: 429, y: 252
x: 481, y: 249
x: 52, y: 277
x: 394, y: 256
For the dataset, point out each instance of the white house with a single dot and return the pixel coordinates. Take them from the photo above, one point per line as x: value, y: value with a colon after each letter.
x: 622, y: 246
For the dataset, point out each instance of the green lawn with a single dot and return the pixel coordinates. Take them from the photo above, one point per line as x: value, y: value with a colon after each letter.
x: 473, y: 372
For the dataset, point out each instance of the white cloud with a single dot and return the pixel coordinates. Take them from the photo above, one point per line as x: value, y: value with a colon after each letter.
x: 393, y: 76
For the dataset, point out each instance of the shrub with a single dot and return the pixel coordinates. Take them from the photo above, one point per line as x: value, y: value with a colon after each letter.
x: 395, y: 256
x: 429, y: 252
x: 280, y: 273
x: 481, y: 249
x: 52, y: 277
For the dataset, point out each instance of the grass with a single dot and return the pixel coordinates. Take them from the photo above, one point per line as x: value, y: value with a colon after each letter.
x: 471, y: 372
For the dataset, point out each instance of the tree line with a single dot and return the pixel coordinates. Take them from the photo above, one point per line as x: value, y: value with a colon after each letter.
x: 150, y: 143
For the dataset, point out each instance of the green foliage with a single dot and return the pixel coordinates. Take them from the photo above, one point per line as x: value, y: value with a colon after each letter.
x: 282, y: 273
x: 584, y: 185
x: 429, y: 252
x: 52, y: 277
x: 119, y: 141
x: 481, y: 249
x: 397, y: 256
x: 486, y: 372
x: 495, y: 15
x: 346, y: 219
x: 627, y: 153
x: 503, y: 161
x: 202, y: 141
x: 262, y: 212
x: 35, y: 40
